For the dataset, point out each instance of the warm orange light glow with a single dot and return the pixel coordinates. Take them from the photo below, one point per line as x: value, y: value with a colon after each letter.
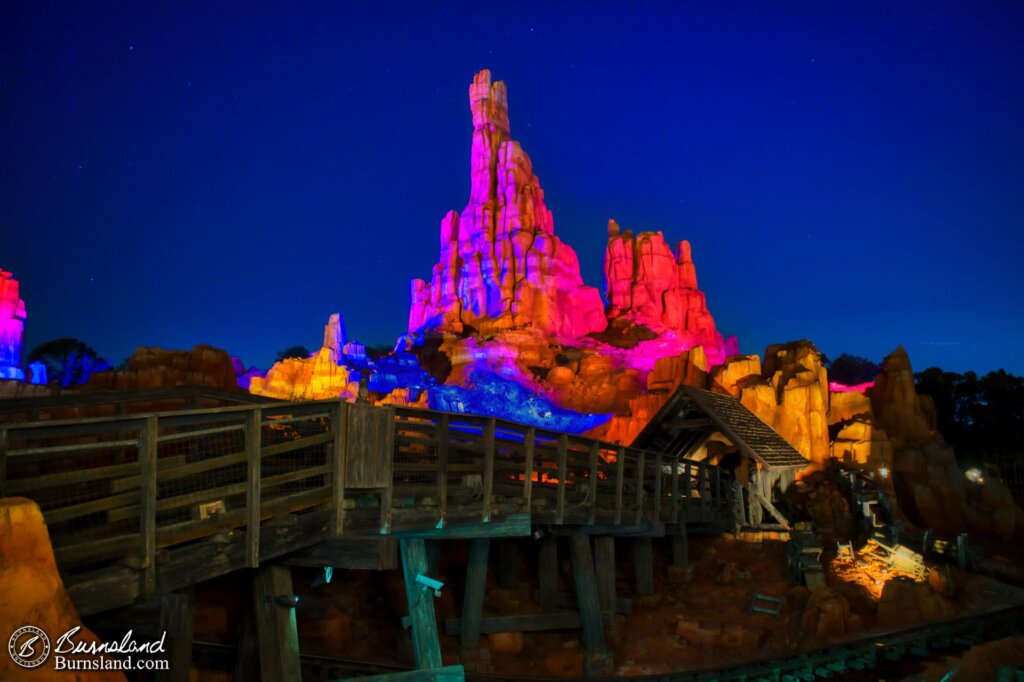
x: 870, y: 569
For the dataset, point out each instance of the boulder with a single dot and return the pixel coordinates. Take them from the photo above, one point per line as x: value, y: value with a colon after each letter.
x: 34, y: 594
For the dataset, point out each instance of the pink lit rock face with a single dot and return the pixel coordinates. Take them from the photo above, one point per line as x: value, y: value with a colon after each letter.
x: 501, y: 265
x: 652, y: 286
x: 12, y: 326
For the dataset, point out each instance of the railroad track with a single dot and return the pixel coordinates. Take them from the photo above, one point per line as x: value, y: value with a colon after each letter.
x: 849, y: 660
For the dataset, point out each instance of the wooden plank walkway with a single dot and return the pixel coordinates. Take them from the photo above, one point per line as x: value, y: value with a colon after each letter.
x: 149, y: 503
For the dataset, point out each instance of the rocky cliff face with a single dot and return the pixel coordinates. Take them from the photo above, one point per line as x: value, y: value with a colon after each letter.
x: 12, y: 326
x: 651, y: 286
x: 501, y: 265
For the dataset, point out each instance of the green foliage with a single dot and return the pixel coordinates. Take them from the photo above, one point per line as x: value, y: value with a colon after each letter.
x: 851, y: 369
x: 293, y: 352
x: 70, y: 361
x: 982, y: 418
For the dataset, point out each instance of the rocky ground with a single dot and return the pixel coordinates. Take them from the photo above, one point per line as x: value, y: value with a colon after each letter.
x: 698, y: 616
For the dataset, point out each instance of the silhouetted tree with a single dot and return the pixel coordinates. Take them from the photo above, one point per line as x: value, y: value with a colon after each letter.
x: 982, y: 418
x: 69, y: 361
x: 293, y: 352
x: 851, y: 369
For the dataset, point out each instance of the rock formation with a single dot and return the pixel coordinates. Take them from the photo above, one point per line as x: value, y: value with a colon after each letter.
x: 12, y: 326
x: 34, y: 594
x: 150, y: 368
x: 320, y: 376
x: 649, y: 285
x: 501, y: 265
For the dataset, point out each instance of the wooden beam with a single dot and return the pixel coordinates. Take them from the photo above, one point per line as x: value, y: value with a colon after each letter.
x: 248, y: 655
x: 595, y: 448
x: 488, y: 468
x: 595, y: 651
x: 642, y: 560
x: 604, y: 564
x: 563, y: 471
x: 339, y: 445
x: 650, y: 529
x: 176, y: 615
x: 620, y: 468
x: 675, y: 490
x: 547, y: 570
x: 771, y: 509
x: 529, y: 439
x: 449, y: 673
x: 253, y: 483
x: 640, y: 465
x: 513, y: 525
x: 3, y: 462
x: 425, y: 642
x: 441, y: 445
x: 276, y: 630
x: 147, y: 504
x: 473, y: 600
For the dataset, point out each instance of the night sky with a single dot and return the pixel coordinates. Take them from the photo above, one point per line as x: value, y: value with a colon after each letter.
x: 852, y: 173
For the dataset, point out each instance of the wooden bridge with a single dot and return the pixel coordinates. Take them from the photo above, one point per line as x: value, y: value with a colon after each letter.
x: 147, y: 504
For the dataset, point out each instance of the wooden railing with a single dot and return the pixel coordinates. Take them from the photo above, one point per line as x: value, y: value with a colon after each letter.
x: 265, y: 480
x: 468, y: 466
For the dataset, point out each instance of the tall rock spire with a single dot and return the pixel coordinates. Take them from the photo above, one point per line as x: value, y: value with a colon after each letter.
x: 12, y: 325
x: 501, y: 265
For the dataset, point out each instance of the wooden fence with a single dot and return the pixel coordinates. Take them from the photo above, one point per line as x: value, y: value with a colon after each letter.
x: 163, y: 500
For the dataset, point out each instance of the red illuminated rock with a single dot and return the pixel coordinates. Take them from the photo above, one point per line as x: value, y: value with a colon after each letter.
x: 33, y: 593
x: 652, y: 286
x: 501, y: 265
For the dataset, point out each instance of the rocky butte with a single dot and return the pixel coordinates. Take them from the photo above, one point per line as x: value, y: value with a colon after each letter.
x: 505, y: 312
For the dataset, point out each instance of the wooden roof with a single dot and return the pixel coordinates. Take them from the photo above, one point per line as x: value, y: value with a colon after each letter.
x: 742, y: 427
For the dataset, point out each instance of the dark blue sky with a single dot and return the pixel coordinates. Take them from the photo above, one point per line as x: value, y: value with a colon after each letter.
x: 846, y: 172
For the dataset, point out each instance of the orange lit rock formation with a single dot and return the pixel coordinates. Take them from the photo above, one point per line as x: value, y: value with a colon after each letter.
x: 34, y: 594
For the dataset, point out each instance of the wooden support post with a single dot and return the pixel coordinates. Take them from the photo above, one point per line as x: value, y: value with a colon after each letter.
x: 473, y: 601
x: 563, y: 471
x: 276, y: 630
x: 620, y: 469
x: 388, y: 453
x: 640, y: 465
x: 425, y: 642
x: 595, y: 448
x: 147, y: 507
x: 547, y: 571
x: 681, y: 546
x: 3, y: 462
x: 595, y: 652
x: 643, y: 563
x: 716, y: 492
x: 339, y: 425
x: 657, y: 486
x: 701, y: 478
x: 529, y: 439
x: 508, y: 563
x: 176, y: 614
x: 441, y: 444
x: 687, y: 483
x: 488, y: 468
x: 247, y: 659
x: 253, y: 458
x: 604, y: 563
x: 675, y: 490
